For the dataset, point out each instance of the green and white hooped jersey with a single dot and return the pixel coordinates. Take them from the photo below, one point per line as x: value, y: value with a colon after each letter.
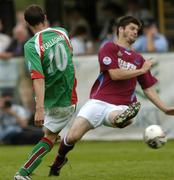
x: 49, y: 56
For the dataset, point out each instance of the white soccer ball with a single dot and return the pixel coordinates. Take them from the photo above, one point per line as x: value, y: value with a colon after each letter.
x: 154, y: 136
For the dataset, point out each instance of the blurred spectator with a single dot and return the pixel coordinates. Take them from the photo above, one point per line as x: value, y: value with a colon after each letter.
x: 7, y: 61
x: 74, y: 19
x: 135, y: 9
x: 16, y: 47
x: 80, y: 42
x: 14, y: 127
x: 151, y: 40
x: 4, y: 39
x: 111, y: 33
x: 20, y: 18
x: 111, y: 11
x: 12, y: 117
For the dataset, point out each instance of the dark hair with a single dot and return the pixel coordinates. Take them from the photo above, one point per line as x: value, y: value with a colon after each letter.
x: 34, y: 15
x: 148, y: 22
x: 125, y: 20
x: 7, y: 104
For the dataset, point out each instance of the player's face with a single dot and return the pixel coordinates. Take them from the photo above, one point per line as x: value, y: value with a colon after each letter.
x: 130, y: 33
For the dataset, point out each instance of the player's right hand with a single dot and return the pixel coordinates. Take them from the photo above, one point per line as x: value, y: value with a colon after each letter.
x: 147, y: 65
x: 39, y: 117
x: 169, y: 111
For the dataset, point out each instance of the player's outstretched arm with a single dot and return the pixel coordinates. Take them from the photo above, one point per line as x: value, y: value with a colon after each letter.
x: 155, y: 99
x: 122, y: 74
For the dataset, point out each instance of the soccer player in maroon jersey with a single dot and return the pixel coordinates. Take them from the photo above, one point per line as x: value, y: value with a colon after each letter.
x: 112, y: 100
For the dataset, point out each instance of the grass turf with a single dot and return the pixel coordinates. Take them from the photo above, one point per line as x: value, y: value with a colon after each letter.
x: 114, y: 160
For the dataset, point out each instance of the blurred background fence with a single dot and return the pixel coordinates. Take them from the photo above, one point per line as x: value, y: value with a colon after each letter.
x: 87, y: 70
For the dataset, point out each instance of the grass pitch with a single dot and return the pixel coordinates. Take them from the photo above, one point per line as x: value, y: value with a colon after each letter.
x: 114, y: 160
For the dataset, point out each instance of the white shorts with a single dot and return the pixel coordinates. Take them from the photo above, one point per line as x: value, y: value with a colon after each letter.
x: 97, y: 112
x: 57, y: 118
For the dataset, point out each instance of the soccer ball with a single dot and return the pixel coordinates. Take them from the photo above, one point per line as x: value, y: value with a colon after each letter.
x: 154, y: 136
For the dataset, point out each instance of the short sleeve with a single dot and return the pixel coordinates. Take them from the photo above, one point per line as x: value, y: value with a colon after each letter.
x: 147, y: 80
x: 34, y: 62
x: 108, y: 56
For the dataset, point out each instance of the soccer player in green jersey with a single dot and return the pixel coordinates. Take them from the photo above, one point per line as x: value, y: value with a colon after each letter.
x: 49, y: 57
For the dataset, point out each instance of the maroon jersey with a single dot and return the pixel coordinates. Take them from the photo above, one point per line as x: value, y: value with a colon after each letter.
x: 119, y: 92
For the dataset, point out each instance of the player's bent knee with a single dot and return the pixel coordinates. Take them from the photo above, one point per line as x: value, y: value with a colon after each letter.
x: 72, y: 138
x: 53, y: 137
x: 124, y: 118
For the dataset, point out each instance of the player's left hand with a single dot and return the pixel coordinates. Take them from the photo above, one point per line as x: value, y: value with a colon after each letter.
x: 170, y: 111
